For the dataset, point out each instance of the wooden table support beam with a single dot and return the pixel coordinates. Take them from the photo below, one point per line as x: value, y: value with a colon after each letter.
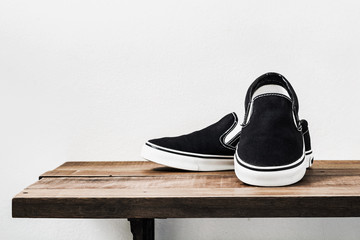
x: 142, y: 228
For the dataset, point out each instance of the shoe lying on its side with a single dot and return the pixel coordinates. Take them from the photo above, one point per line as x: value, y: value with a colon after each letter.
x: 271, y: 149
x: 209, y: 149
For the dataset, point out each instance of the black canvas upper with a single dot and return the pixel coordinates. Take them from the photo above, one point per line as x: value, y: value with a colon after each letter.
x: 209, y: 140
x: 271, y: 137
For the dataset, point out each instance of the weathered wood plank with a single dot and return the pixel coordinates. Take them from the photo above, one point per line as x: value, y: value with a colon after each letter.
x: 185, y: 182
x: 189, y: 192
x: 148, y: 190
x: 186, y: 207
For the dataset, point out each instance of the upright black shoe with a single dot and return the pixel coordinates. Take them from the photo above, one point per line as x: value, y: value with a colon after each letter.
x: 209, y: 149
x: 274, y: 145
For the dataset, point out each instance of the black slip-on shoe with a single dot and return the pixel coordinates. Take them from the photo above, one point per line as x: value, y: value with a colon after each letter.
x: 209, y: 149
x: 272, y: 150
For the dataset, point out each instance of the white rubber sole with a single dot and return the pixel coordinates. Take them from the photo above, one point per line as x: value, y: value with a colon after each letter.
x: 185, y: 160
x: 310, y: 158
x: 267, y: 177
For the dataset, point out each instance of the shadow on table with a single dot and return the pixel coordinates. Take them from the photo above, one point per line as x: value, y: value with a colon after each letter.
x: 169, y: 169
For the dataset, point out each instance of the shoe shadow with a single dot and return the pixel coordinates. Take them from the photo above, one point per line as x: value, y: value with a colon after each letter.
x: 169, y: 169
x: 175, y: 170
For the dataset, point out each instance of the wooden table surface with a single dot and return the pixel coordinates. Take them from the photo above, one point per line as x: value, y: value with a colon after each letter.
x: 148, y: 190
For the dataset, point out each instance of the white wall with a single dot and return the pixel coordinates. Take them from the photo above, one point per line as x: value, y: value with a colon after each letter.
x: 92, y: 80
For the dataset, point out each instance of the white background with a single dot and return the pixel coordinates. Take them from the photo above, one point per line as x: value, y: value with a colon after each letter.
x: 92, y: 80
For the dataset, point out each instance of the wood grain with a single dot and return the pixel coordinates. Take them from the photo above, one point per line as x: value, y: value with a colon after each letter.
x: 148, y: 190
